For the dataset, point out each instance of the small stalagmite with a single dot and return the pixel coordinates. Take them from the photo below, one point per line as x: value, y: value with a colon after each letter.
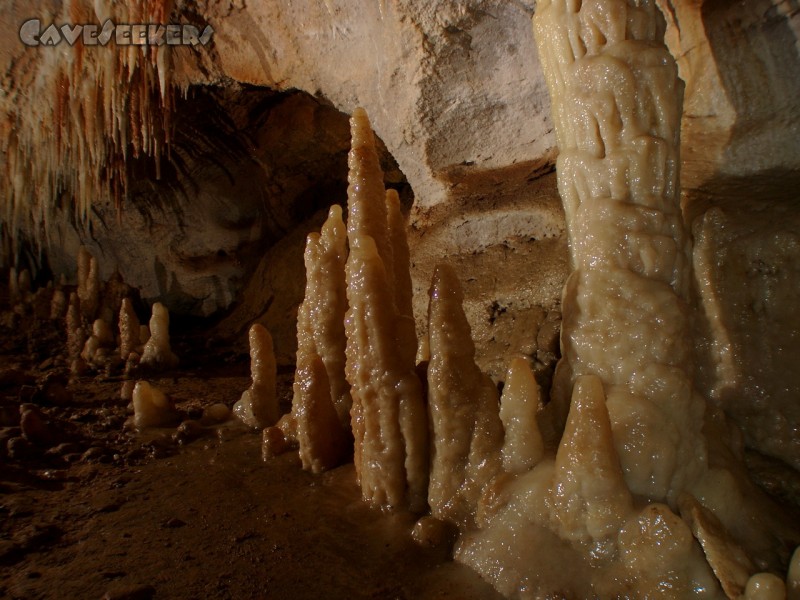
x: 323, y: 441
x: 129, y: 329
x: 388, y: 417
x: 258, y: 406
x: 765, y: 586
x: 523, y: 446
x: 151, y: 407
x: 157, y: 352
x: 467, y: 434
x: 590, y: 498
x: 97, y: 346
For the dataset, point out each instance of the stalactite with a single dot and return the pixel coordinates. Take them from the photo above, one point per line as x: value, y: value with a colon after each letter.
x: 104, y: 99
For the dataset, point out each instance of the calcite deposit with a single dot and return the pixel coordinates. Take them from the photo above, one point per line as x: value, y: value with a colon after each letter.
x: 157, y: 351
x: 258, y: 406
x: 644, y: 211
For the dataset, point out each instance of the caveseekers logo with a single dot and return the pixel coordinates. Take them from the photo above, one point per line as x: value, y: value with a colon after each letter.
x: 32, y: 34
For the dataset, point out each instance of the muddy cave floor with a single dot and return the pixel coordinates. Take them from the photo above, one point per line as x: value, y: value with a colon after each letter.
x: 91, y: 509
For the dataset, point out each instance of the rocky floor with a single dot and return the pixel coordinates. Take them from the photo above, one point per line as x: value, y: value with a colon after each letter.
x: 90, y: 508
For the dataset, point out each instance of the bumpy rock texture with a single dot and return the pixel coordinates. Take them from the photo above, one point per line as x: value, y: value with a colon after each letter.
x: 456, y: 94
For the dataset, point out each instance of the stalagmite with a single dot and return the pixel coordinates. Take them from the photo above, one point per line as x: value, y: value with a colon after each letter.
x: 258, y: 406
x: 388, y: 417
x: 323, y: 441
x: 320, y: 317
x: 151, y: 407
x: 523, y: 446
x: 616, y: 107
x: 660, y: 559
x: 88, y: 283
x: 99, y: 343
x: 466, y: 431
x: 590, y: 498
x: 765, y: 586
x: 157, y: 352
x: 128, y: 329
x: 366, y: 197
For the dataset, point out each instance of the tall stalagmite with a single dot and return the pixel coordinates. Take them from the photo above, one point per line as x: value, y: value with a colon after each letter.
x: 388, y: 415
x: 616, y: 104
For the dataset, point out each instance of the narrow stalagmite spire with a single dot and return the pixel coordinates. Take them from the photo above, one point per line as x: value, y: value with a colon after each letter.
x: 463, y: 403
x: 258, y: 406
x: 128, y: 329
x: 388, y: 414
x: 523, y: 447
x: 366, y: 196
x: 323, y: 441
x: 320, y: 317
x: 88, y: 283
x: 590, y: 498
x: 320, y: 384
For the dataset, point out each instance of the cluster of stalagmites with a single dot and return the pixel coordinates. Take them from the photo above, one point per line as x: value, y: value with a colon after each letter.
x: 103, y: 332
x: 529, y: 488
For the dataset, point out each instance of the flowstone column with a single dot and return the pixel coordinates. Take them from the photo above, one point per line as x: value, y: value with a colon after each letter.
x: 616, y: 102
